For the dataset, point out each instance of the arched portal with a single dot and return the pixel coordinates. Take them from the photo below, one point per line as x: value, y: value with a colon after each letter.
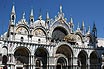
x: 41, y: 58
x: 82, y: 60
x: 4, y: 59
x: 67, y: 52
x: 61, y: 63
x: 59, y: 33
x: 22, y: 57
x: 94, y: 60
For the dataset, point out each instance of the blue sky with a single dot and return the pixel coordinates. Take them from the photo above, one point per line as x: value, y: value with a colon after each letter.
x: 89, y: 11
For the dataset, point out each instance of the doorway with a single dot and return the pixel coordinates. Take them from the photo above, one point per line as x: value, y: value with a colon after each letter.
x: 19, y: 68
x: 58, y: 66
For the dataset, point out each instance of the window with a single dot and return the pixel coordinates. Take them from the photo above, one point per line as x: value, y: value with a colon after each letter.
x: 22, y: 39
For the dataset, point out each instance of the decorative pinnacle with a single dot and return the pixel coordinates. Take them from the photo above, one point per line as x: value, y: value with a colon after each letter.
x: 71, y: 20
x: 13, y: 9
x: 61, y: 8
x: 40, y: 16
x: 31, y: 13
x: 83, y: 24
x: 23, y: 15
x: 78, y: 24
x: 78, y: 28
x: 88, y: 28
x: 47, y: 17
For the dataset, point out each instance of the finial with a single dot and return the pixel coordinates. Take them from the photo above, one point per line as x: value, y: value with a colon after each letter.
x: 71, y: 20
x: 88, y: 28
x: 61, y: 8
x: 23, y: 15
x: 40, y: 16
x: 47, y: 17
x: 13, y: 9
x: 78, y: 24
x: 83, y: 24
x: 31, y: 13
x: 78, y: 28
x: 94, y: 27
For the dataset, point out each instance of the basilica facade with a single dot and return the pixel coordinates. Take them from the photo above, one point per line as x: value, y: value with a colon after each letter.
x: 49, y: 44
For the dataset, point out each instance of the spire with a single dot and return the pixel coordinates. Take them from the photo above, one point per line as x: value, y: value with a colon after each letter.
x: 47, y: 15
x: 78, y: 24
x: 88, y: 28
x: 78, y: 28
x: 32, y: 14
x: 71, y: 20
x: 13, y: 15
x: 82, y: 28
x: 94, y: 30
x: 60, y: 8
x: 83, y: 24
x: 31, y: 18
x: 40, y: 15
x: 71, y: 23
x: 13, y: 9
x: 23, y: 15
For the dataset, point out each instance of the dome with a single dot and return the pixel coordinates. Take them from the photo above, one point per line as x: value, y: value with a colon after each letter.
x: 39, y: 23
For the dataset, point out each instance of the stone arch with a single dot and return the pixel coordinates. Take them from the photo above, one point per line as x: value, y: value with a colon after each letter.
x: 79, y: 34
x: 94, y: 60
x: 41, y: 28
x: 21, y: 56
x: 42, y: 55
x: 59, y: 33
x: 91, y: 38
x: 4, y: 50
x: 82, y: 59
x: 24, y: 26
x: 61, y: 61
x: 67, y: 52
x: 57, y: 23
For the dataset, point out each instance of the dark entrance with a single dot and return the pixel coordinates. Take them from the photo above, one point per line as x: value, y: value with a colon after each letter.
x: 61, y: 63
x: 58, y: 66
x: 19, y: 67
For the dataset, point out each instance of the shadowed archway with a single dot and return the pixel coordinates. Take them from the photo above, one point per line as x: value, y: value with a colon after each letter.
x: 21, y: 55
x: 82, y: 59
x: 94, y: 61
x: 41, y: 58
x: 67, y: 52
